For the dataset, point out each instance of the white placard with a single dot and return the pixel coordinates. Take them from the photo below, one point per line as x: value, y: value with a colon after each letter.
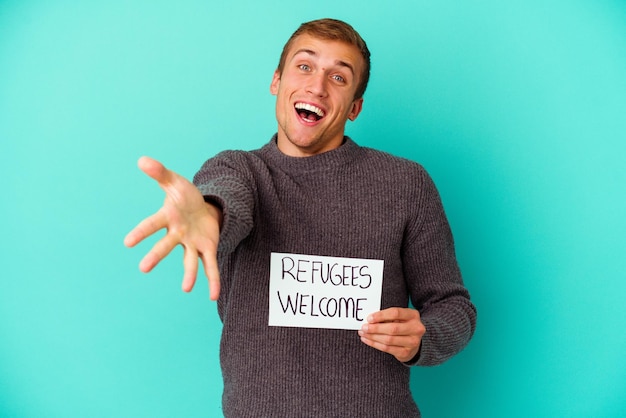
x: 311, y: 291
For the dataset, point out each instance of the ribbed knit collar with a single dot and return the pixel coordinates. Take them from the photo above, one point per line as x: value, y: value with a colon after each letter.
x: 320, y: 162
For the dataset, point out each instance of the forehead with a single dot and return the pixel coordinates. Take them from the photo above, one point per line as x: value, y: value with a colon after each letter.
x: 334, y: 51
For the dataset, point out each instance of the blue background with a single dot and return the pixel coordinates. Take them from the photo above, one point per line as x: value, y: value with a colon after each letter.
x: 516, y: 108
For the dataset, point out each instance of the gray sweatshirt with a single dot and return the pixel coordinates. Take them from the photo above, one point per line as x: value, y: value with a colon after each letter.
x: 349, y: 202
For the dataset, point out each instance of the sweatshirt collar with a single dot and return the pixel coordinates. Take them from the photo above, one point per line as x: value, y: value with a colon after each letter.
x: 341, y: 155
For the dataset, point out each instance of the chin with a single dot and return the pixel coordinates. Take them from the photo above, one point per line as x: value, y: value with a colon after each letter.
x: 303, y: 141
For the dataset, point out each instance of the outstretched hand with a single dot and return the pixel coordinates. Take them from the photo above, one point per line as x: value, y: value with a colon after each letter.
x: 397, y: 331
x: 190, y: 222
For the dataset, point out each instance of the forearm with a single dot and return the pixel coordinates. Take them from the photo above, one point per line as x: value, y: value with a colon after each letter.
x: 450, y: 325
x: 226, y: 187
x: 215, y: 210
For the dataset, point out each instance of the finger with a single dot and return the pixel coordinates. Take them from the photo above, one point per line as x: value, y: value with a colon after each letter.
x: 390, y: 328
x: 212, y: 272
x: 145, y: 228
x: 379, y: 345
x: 158, y: 252
x: 397, y: 340
x: 155, y: 170
x: 372, y: 341
x: 409, y: 330
x: 190, y: 263
x: 393, y: 314
x: 401, y: 352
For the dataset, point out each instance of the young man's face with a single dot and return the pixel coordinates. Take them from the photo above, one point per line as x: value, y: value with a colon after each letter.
x: 315, y: 95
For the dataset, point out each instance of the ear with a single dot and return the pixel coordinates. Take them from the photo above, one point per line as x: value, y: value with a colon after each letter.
x: 275, y: 83
x: 357, y: 106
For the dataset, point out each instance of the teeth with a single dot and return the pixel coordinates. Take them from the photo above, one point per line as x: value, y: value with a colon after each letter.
x: 305, y: 106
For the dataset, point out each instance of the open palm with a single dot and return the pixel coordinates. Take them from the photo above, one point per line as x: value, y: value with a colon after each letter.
x: 190, y: 222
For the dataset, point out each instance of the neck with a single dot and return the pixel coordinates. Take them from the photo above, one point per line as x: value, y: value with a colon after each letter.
x: 303, y: 148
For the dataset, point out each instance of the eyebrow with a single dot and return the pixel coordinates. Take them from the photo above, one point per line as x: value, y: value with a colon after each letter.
x: 337, y: 62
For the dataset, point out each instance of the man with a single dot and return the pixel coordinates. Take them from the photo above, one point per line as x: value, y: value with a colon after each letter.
x: 311, y: 190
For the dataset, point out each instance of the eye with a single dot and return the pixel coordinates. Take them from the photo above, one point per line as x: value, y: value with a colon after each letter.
x: 304, y: 67
x: 338, y: 78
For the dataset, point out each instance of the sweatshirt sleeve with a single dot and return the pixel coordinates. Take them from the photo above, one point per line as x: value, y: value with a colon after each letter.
x: 434, y: 281
x: 225, y: 180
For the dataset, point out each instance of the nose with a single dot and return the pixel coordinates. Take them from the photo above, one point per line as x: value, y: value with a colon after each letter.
x: 317, y: 84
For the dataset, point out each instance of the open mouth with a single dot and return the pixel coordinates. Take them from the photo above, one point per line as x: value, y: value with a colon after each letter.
x: 308, y: 112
